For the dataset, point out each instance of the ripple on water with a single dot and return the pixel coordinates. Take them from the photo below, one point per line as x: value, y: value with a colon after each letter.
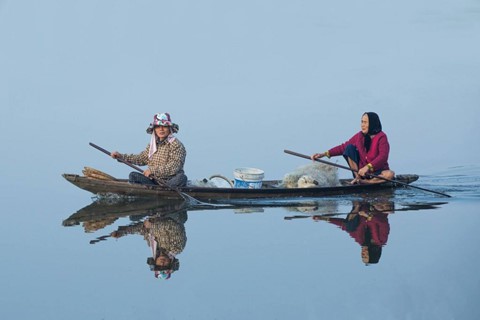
x: 459, y: 181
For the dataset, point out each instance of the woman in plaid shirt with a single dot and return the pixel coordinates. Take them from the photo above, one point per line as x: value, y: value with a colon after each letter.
x: 164, y: 156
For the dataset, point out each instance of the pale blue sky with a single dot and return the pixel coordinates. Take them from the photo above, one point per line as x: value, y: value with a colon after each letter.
x: 244, y: 80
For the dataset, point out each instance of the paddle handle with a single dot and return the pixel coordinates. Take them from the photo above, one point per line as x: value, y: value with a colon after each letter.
x: 372, y: 175
x: 327, y: 215
x: 119, y: 159
x: 319, y: 160
x: 160, y: 182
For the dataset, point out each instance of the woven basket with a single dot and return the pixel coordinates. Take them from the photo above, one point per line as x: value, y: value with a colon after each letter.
x: 96, y: 174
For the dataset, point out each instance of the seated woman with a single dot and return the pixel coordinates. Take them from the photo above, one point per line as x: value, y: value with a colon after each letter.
x: 164, y: 156
x: 366, y: 152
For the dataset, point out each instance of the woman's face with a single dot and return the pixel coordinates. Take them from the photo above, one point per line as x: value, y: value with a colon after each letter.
x: 365, y: 255
x: 162, y: 132
x: 163, y: 261
x: 364, y: 124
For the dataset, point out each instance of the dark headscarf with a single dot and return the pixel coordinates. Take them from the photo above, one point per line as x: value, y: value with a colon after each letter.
x: 374, y: 127
x: 374, y: 250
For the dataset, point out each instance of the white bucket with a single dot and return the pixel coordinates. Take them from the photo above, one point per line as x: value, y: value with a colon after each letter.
x: 249, y: 178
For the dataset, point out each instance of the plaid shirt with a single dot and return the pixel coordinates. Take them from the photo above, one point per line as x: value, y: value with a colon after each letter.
x: 165, y: 163
x: 169, y: 234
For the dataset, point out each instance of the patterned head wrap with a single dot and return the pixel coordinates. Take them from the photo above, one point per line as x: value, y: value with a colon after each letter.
x: 163, y: 273
x: 164, y: 120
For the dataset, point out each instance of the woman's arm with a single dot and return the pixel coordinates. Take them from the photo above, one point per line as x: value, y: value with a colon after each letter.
x: 140, y: 159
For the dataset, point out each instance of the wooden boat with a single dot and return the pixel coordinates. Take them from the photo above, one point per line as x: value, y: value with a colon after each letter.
x: 271, y: 189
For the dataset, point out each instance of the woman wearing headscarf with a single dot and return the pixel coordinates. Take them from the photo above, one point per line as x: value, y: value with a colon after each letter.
x: 366, y: 152
x: 368, y: 225
x: 165, y: 155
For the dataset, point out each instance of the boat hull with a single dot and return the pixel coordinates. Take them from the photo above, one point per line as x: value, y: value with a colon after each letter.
x: 269, y: 190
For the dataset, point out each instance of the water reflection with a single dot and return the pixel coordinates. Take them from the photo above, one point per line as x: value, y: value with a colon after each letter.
x: 162, y: 223
x: 166, y: 237
x: 367, y: 223
x: 104, y: 212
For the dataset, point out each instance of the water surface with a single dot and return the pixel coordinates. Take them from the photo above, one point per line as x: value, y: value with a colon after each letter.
x: 261, y: 262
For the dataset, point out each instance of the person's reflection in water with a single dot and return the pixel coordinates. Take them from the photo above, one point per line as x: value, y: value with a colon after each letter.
x: 166, y: 237
x: 367, y: 223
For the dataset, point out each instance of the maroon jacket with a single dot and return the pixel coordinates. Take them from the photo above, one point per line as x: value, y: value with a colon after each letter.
x: 378, y: 225
x: 377, y: 155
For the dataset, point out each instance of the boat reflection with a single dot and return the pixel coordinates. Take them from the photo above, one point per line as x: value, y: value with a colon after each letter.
x: 161, y: 223
x: 367, y: 223
x: 104, y: 212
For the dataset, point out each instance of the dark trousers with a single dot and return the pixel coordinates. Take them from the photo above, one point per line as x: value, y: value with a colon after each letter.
x: 351, y: 152
x: 178, y: 180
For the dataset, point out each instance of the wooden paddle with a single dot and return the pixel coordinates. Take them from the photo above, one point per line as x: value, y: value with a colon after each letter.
x: 327, y: 215
x: 372, y: 175
x: 159, y: 182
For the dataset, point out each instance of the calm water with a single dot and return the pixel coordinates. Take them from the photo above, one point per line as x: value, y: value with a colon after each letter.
x: 257, y: 262
x: 244, y: 81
